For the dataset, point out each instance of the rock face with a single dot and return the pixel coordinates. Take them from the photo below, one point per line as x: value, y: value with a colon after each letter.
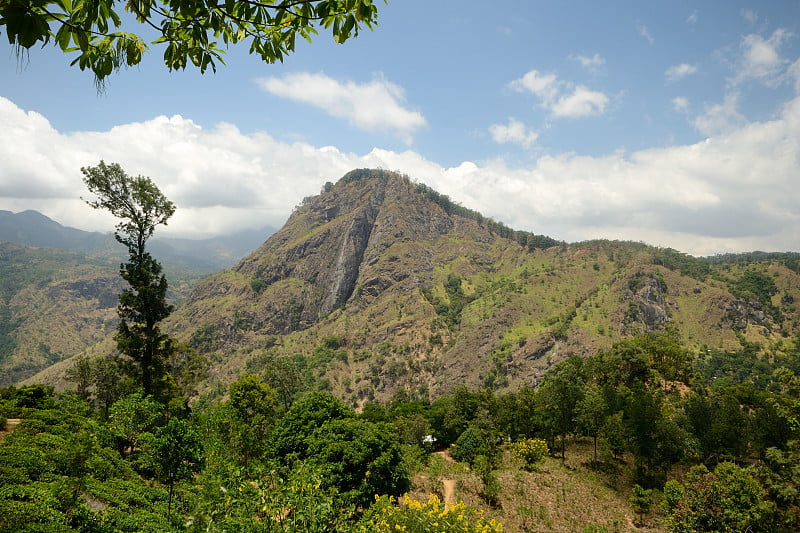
x: 741, y: 313
x: 647, y: 294
x: 334, y: 249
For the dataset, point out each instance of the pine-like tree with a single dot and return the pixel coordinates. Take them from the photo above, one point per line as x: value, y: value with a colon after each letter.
x: 141, y: 207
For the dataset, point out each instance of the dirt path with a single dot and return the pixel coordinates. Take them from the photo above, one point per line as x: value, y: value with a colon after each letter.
x: 449, y: 491
x: 449, y: 485
x: 11, y: 423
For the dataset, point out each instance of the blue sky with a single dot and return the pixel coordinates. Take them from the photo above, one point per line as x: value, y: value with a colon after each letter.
x: 673, y: 123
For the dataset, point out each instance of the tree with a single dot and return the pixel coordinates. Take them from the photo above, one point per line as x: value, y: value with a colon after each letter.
x: 133, y: 416
x: 360, y: 459
x: 290, y: 439
x: 282, y: 375
x: 727, y: 499
x: 177, y: 453
x: 192, y: 31
x: 142, y: 207
x: 108, y: 382
x: 592, y: 412
x: 641, y: 501
x: 81, y: 373
x: 253, y: 405
x: 560, y: 394
x: 655, y: 439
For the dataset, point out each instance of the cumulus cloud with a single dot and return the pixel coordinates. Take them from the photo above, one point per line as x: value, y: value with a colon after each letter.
x: 514, y: 132
x: 592, y: 63
x: 734, y: 192
x: 545, y: 86
x: 677, y: 72
x: 377, y: 105
x: 761, y: 59
x: 580, y: 103
x: 720, y: 118
x: 563, y: 99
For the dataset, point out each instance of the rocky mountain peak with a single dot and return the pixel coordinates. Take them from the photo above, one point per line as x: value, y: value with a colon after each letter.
x: 338, y: 246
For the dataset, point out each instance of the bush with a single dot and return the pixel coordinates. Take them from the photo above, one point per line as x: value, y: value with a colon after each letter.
x: 472, y: 443
x: 386, y: 516
x: 530, y: 450
x: 359, y: 459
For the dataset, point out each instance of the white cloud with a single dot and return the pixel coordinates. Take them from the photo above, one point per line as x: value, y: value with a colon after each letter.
x: 720, y: 118
x: 680, y: 103
x: 545, y: 86
x: 373, y: 106
x: 761, y: 58
x: 592, y: 63
x: 563, y: 99
x: 692, y: 19
x: 736, y: 191
x: 677, y: 72
x: 514, y: 132
x: 580, y: 103
x: 645, y: 33
x: 794, y: 73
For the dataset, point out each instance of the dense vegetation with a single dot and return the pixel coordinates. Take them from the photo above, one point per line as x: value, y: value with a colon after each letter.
x: 687, y: 439
x: 696, y: 436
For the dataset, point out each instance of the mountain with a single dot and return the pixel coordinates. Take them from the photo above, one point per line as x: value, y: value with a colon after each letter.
x: 380, y: 283
x: 31, y: 228
x: 59, y: 285
x: 53, y: 305
x: 183, y: 259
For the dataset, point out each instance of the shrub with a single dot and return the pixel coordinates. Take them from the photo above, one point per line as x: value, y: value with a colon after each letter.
x: 359, y: 459
x: 386, y: 516
x: 530, y: 450
x: 472, y: 443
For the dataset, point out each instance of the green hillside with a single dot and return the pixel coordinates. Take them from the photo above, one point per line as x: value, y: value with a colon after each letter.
x: 53, y: 305
x: 424, y: 295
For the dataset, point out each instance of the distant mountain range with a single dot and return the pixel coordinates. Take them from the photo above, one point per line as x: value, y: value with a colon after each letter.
x: 193, y: 258
x: 59, y: 285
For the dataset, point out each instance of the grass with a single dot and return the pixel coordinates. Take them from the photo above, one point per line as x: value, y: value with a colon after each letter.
x: 574, y: 496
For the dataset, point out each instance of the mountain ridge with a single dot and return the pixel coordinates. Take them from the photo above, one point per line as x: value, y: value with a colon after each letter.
x: 423, y: 299
x: 380, y: 284
x: 180, y: 257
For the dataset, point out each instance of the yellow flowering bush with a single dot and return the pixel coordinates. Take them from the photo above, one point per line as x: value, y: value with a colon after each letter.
x: 433, y: 516
x: 530, y: 450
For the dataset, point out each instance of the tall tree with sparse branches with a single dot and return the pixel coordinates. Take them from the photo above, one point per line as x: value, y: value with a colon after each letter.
x: 141, y: 206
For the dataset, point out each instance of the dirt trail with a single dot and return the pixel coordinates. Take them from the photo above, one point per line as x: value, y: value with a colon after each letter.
x: 449, y: 485
x: 11, y: 423
x: 449, y: 491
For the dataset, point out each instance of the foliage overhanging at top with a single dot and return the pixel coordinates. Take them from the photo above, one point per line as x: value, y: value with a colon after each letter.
x: 192, y: 30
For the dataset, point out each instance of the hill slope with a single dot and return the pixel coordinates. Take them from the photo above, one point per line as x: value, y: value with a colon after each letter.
x: 378, y: 284
x: 53, y: 305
